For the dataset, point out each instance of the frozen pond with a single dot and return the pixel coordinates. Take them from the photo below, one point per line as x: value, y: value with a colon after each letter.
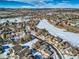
x: 66, y: 36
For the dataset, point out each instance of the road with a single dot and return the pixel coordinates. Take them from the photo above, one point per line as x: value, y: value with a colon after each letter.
x: 56, y: 50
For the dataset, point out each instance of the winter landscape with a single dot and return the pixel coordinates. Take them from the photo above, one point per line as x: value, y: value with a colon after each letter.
x: 38, y: 32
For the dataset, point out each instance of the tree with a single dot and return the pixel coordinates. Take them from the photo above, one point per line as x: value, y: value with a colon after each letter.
x: 1, y: 49
x: 1, y: 40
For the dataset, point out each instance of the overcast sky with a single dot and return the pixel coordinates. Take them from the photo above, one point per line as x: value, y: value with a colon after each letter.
x: 39, y: 3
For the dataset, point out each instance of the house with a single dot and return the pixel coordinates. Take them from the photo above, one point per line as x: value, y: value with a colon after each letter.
x: 17, y: 48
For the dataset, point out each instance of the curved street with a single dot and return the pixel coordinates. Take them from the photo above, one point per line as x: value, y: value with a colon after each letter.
x: 56, y: 50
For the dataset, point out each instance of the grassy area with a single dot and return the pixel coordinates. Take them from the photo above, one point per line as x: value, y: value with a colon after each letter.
x: 72, y: 29
x: 69, y: 28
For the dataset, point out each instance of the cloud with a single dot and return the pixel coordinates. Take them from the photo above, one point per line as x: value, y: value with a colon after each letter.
x: 33, y: 1
x: 66, y: 5
x: 59, y: 5
x: 48, y: 4
x: 65, y: 1
x: 26, y: 0
x: 26, y: 6
x: 63, y: 4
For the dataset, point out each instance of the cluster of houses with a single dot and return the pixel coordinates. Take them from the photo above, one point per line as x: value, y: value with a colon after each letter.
x: 63, y: 46
x: 16, y: 34
x: 13, y: 34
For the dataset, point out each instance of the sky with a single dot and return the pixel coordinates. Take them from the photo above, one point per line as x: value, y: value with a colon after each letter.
x: 39, y: 3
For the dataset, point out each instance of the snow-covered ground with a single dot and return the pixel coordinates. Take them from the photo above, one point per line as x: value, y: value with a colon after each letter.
x: 30, y: 43
x: 69, y: 57
x: 11, y: 20
x: 66, y: 36
x: 19, y: 35
x: 4, y: 55
x: 16, y: 19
